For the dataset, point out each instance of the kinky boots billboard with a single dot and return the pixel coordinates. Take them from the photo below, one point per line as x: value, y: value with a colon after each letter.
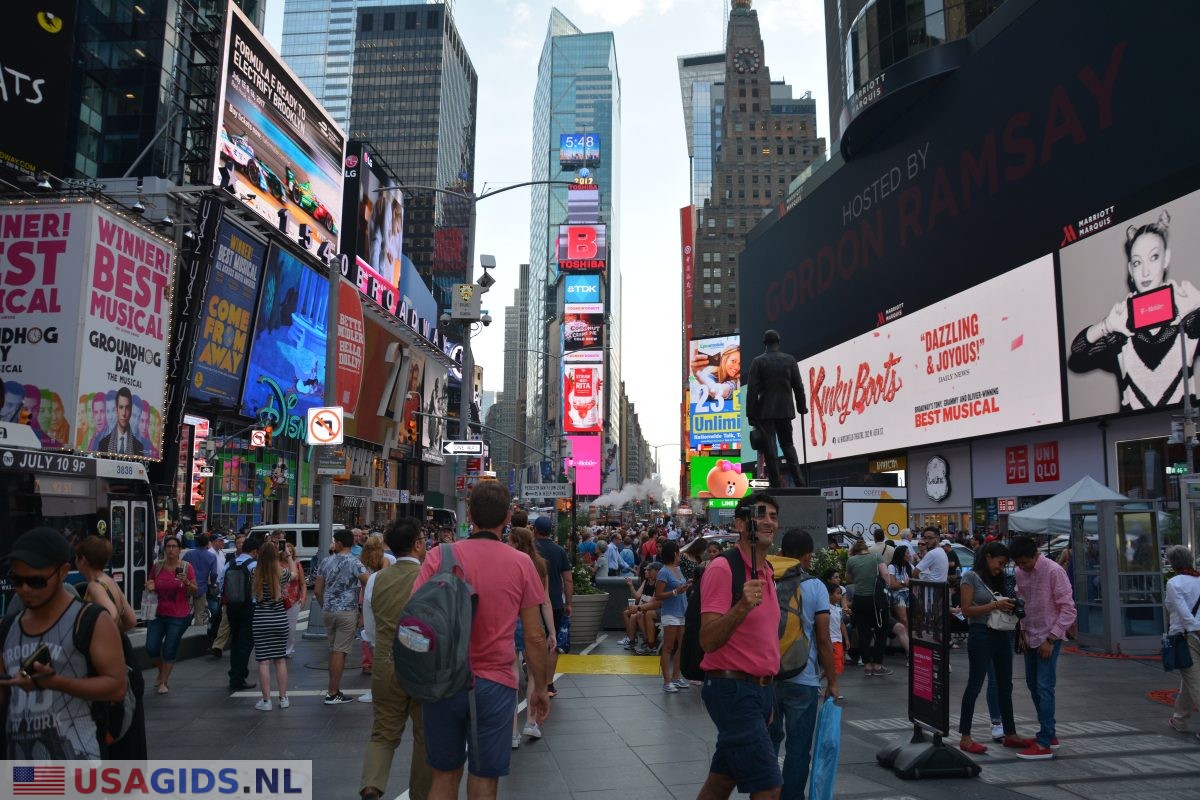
x: 1062, y: 113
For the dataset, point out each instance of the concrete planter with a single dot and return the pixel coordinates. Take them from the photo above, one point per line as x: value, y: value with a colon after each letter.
x: 587, y: 612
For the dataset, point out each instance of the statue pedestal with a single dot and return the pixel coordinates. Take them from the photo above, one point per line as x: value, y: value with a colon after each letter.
x: 802, y: 508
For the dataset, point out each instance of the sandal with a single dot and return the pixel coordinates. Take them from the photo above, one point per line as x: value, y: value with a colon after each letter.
x: 973, y: 747
x: 163, y: 688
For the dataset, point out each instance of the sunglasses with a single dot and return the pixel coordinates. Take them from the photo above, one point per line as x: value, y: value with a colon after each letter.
x: 32, y: 581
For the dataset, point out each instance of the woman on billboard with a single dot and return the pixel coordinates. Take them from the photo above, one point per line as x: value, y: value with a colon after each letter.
x: 1138, y: 340
x: 717, y: 375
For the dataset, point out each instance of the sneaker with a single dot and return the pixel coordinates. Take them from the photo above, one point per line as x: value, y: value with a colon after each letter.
x: 1054, y: 743
x: 683, y: 683
x: 997, y: 732
x: 365, y: 698
x: 670, y: 688
x: 263, y: 705
x: 551, y: 690
x: 336, y: 699
x: 532, y: 730
x: 516, y: 741
x: 625, y: 642
x: 1035, y: 752
x: 284, y: 702
x: 883, y: 671
x: 641, y: 650
x: 628, y: 645
x: 1178, y: 725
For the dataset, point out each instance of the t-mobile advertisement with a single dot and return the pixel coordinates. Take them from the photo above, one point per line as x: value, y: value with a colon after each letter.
x: 1130, y: 302
x: 586, y: 453
x: 971, y: 365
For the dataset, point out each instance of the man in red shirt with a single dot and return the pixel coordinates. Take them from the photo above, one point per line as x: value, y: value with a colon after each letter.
x: 740, y: 639
x: 507, y: 587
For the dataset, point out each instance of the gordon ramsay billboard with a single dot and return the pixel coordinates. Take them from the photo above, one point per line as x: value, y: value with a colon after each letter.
x: 277, y: 148
x: 974, y: 364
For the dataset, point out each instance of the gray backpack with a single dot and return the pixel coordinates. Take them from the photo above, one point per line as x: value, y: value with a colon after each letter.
x: 433, y: 636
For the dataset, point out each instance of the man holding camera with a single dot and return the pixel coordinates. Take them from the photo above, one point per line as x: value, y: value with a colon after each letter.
x: 739, y: 633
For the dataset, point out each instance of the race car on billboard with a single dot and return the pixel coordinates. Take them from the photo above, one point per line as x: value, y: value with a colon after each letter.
x: 238, y: 150
x: 266, y: 179
x: 302, y: 196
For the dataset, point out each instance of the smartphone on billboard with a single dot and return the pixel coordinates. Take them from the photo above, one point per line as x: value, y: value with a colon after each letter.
x: 1152, y: 309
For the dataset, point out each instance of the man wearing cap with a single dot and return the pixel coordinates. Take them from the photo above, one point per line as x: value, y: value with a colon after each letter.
x: 562, y: 590
x: 49, y: 705
x: 772, y: 384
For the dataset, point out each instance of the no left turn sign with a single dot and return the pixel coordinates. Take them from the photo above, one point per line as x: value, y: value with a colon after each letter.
x: 324, y: 426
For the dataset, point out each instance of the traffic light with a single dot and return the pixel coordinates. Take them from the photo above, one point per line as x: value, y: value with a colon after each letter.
x: 268, y: 429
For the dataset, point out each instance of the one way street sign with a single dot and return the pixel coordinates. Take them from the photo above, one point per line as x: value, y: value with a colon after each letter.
x: 458, y: 447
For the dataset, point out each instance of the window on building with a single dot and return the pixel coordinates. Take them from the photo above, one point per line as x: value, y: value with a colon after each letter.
x: 754, y: 179
x: 716, y: 302
x: 712, y: 223
x: 707, y: 303
x: 368, y: 22
x: 733, y: 319
x: 754, y: 107
x: 730, y: 222
x: 431, y: 19
x: 792, y: 150
x: 742, y: 92
x: 410, y: 21
x: 741, y: 106
x: 389, y: 21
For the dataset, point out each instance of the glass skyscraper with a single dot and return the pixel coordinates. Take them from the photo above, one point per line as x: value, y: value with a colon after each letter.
x: 415, y: 99
x: 698, y: 75
x: 578, y: 91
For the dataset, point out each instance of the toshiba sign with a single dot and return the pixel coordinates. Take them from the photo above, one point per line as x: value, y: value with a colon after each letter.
x: 582, y: 247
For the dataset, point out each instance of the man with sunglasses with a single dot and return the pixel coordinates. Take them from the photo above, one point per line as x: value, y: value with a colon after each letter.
x: 50, y: 704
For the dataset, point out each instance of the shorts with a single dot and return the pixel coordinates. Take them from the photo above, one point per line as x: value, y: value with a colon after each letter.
x: 447, y: 726
x: 341, y: 627
x: 744, y: 750
x: 900, y: 598
x: 839, y: 658
x: 669, y: 620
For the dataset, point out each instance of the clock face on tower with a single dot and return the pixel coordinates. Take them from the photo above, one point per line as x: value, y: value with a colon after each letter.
x: 746, y: 60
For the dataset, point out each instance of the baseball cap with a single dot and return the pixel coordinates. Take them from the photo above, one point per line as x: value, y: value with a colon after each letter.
x: 41, y: 547
x: 543, y: 525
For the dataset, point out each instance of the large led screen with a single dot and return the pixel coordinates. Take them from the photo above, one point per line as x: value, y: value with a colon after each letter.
x: 224, y: 337
x: 277, y: 147
x: 1129, y: 293
x: 714, y: 405
x: 719, y: 480
x: 582, y: 248
x: 582, y: 327
x: 285, y: 375
x: 583, y: 398
x: 585, y: 450
x: 581, y: 288
x: 435, y: 401
x: 578, y: 150
x: 374, y: 234
x: 974, y: 364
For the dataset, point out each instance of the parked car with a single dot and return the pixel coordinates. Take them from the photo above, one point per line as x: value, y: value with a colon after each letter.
x: 302, y: 195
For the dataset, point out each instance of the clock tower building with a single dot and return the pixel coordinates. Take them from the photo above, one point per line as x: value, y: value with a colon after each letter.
x: 762, y: 139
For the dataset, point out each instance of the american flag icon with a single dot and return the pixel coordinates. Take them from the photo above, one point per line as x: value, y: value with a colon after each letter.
x: 39, y: 781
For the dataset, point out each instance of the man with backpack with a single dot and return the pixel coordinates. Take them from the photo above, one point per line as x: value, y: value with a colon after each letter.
x: 239, y: 610
x: 806, y: 649
x: 50, y: 699
x: 473, y: 725
x: 739, y: 633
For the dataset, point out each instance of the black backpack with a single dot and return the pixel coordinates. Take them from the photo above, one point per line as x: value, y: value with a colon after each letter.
x: 237, y: 582
x: 691, y: 653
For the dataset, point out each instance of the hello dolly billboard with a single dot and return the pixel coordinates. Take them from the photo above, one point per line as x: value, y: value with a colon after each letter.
x: 983, y: 174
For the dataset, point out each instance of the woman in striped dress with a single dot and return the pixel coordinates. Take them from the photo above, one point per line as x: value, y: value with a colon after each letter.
x: 270, y: 625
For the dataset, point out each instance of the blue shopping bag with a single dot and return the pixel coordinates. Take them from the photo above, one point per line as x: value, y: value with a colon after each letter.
x: 827, y: 744
x: 563, y: 635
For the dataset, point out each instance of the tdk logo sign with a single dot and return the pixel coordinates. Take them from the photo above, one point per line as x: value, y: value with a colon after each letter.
x: 583, y: 288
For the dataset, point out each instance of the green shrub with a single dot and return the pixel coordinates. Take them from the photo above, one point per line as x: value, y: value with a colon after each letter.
x: 829, y: 558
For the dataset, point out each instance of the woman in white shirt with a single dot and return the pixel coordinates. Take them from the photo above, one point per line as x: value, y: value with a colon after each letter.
x: 1182, y: 600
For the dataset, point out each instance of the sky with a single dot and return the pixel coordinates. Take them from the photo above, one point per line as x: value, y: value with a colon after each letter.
x: 504, y: 39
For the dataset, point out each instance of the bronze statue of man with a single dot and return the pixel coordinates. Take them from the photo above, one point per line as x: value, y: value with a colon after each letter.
x: 774, y: 393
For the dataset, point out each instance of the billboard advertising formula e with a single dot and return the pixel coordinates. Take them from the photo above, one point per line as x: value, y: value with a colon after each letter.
x: 277, y: 149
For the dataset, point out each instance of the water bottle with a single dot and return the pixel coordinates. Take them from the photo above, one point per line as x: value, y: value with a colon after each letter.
x: 412, y: 638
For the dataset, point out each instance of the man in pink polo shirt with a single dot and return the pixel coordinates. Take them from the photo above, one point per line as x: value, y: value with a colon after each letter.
x: 740, y: 639
x: 507, y: 586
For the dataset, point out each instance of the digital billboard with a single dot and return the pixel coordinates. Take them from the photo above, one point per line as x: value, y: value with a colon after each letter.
x: 373, y: 239
x: 1129, y: 292
x: 435, y: 401
x: 224, y: 338
x: 718, y: 479
x: 578, y: 150
x: 583, y: 203
x: 581, y: 288
x: 583, y: 398
x: 714, y: 405
x: 351, y: 348
x: 277, y: 148
x: 582, y: 327
x: 285, y: 373
x: 971, y: 365
x: 585, y: 451
x: 582, y: 248
x: 37, y: 40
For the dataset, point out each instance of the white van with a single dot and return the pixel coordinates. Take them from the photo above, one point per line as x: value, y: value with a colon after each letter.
x: 303, y: 535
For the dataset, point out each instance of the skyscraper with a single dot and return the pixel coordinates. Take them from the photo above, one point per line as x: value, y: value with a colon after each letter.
x: 414, y: 98
x: 763, y: 138
x: 507, y: 456
x: 578, y: 92
x: 699, y: 77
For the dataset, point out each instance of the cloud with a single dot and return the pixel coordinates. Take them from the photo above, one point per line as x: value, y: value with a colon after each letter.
x: 806, y: 16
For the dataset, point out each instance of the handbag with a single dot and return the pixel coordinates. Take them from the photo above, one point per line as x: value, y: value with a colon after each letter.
x: 827, y: 745
x: 1002, y: 620
x: 1175, y: 651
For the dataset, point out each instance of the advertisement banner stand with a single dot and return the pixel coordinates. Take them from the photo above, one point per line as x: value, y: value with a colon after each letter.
x: 929, y: 692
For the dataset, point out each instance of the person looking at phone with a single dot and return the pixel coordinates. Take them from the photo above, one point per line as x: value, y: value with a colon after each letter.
x: 175, y: 583
x: 46, y: 687
x: 1128, y: 342
x: 740, y: 639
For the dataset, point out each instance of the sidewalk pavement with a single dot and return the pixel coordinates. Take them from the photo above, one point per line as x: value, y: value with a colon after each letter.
x: 612, y: 734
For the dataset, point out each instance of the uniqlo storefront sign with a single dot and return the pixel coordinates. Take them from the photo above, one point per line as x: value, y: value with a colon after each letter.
x: 978, y: 363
